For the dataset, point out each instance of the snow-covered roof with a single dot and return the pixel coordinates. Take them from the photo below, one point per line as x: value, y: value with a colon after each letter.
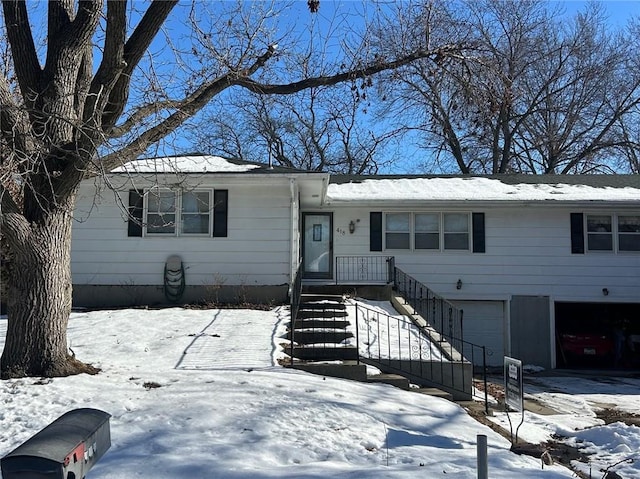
x: 196, y: 164
x: 407, y: 188
x: 516, y: 188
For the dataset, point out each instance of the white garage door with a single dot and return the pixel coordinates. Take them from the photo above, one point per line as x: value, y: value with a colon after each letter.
x: 483, y: 324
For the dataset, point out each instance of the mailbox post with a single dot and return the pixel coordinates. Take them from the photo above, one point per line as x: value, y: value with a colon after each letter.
x: 65, y: 449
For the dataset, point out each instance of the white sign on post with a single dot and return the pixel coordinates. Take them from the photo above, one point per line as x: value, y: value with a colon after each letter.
x: 513, y: 388
x: 513, y: 391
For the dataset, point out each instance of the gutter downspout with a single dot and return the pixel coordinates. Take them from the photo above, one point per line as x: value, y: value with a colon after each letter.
x: 294, y: 255
x: 325, y: 187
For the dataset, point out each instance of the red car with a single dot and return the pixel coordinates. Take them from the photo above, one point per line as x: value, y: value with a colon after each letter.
x: 588, y: 345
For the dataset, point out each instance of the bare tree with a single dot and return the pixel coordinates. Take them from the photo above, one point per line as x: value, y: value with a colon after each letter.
x: 585, y: 106
x: 318, y: 129
x: 535, y: 96
x: 98, y: 89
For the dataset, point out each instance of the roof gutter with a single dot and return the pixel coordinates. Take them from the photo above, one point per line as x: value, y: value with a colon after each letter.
x: 426, y: 203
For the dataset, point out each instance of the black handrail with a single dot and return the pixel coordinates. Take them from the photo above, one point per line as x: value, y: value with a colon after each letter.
x: 442, y: 315
x: 294, y: 298
x: 364, y: 269
x: 397, y: 344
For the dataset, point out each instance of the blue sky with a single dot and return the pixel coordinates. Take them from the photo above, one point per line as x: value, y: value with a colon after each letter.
x: 619, y: 10
x: 334, y: 12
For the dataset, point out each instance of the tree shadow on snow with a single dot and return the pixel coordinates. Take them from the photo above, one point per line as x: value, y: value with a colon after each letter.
x: 399, y: 438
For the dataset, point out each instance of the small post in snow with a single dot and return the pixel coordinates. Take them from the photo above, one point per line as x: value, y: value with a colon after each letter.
x: 483, y: 459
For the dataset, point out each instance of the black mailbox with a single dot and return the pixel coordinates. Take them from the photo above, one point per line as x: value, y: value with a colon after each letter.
x: 65, y: 449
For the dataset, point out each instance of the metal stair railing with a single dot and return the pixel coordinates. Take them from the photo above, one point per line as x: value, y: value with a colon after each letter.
x: 364, y: 269
x: 439, y: 313
x: 443, y: 317
x: 294, y: 299
x: 396, y: 344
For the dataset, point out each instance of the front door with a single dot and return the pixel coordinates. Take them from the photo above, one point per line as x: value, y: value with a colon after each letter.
x: 317, y: 245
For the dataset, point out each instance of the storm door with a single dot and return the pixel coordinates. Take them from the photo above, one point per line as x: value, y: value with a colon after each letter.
x: 317, y: 245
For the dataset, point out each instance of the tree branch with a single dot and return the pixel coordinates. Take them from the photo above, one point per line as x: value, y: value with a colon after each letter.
x: 69, y: 37
x: 23, y: 48
x: 197, y: 100
x: 15, y: 227
x: 112, y: 63
x: 13, y: 122
x: 380, y: 66
x: 134, y: 49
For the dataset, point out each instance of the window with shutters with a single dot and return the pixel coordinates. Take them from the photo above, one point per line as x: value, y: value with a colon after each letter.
x: 427, y: 231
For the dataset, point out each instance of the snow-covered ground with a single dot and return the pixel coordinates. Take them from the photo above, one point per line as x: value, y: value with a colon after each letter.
x: 576, y: 402
x: 199, y: 394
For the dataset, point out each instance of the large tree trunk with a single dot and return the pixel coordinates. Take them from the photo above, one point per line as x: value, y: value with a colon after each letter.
x: 39, y: 302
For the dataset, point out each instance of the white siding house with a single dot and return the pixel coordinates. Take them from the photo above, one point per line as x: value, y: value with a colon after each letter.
x: 528, y: 258
x: 521, y: 255
x: 235, y: 231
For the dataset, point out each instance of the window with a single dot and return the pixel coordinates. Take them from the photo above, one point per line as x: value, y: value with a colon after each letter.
x: 191, y: 210
x: 161, y: 212
x: 196, y: 217
x: 427, y: 231
x: 607, y: 232
x: 456, y: 231
x: 629, y: 233
x: 599, y: 233
x: 397, y: 230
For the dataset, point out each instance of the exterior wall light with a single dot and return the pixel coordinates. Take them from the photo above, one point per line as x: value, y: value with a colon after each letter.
x: 605, y: 291
x: 352, y: 227
x: 459, y: 284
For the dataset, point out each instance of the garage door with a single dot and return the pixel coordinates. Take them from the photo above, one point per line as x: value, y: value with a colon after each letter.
x: 484, y: 324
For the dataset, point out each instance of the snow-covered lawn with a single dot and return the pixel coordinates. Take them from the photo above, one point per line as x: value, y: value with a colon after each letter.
x: 198, y: 394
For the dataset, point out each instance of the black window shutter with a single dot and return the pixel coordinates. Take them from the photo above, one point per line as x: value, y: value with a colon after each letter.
x: 477, y: 224
x: 375, y: 231
x: 220, y: 213
x: 577, y: 233
x: 135, y: 213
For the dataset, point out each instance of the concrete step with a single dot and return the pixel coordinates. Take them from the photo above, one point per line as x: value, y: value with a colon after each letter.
x: 435, y: 392
x: 314, y: 297
x: 323, y: 353
x: 321, y: 313
x: 315, y: 323
x: 355, y: 372
x: 392, y: 379
x: 322, y: 305
x: 315, y: 336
